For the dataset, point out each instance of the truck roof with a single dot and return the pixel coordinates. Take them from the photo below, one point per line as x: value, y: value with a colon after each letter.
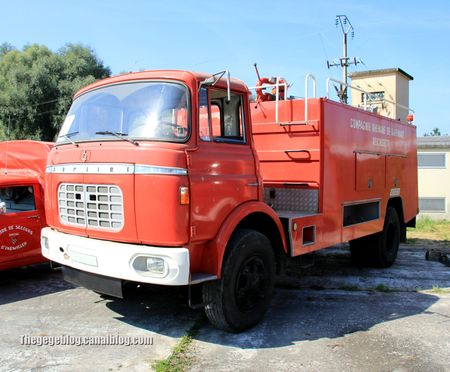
x: 23, y: 159
x: 14, y: 178
x: 180, y: 75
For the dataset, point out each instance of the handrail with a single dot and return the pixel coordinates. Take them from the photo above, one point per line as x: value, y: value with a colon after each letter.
x: 366, y: 93
x: 313, y: 79
x: 308, y: 78
x: 277, y: 87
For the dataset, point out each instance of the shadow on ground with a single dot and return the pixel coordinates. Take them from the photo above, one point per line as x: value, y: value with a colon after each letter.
x: 29, y: 282
x: 430, y: 244
x: 337, y: 304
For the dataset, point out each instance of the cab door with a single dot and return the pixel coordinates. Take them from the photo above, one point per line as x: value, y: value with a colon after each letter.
x: 222, y: 170
x: 21, y: 220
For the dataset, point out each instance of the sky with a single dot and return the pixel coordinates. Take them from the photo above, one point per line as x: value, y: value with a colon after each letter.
x: 286, y: 38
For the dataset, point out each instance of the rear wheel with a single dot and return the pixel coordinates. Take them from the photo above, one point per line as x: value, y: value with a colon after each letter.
x: 380, y: 249
x: 242, y: 296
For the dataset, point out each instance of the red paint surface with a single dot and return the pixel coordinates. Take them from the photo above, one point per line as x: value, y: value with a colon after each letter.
x: 22, y: 163
x: 336, y: 159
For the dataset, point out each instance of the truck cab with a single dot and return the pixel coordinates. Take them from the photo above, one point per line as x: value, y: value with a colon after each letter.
x: 22, y: 214
x: 132, y: 175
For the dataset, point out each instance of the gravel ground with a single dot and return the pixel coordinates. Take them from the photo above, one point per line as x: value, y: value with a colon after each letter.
x: 331, y: 317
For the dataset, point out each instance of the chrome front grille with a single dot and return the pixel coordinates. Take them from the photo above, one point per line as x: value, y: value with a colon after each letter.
x: 97, y: 206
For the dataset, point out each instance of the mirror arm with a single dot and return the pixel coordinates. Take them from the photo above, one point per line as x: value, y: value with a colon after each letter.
x: 213, y: 79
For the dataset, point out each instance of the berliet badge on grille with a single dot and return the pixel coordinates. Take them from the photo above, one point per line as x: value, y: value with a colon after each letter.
x: 84, y: 156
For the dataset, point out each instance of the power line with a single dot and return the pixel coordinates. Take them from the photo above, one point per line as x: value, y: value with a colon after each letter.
x: 344, y: 61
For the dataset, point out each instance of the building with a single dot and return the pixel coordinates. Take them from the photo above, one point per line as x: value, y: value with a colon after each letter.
x: 383, y: 88
x: 433, y: 157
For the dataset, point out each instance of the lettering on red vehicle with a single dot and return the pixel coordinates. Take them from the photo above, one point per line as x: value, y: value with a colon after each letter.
x: 12, y: 236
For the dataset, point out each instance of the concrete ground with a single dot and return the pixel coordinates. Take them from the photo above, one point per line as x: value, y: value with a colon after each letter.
x: 331, y: 317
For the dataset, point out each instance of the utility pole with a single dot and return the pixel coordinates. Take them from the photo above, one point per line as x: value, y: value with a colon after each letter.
x: 344, y: 61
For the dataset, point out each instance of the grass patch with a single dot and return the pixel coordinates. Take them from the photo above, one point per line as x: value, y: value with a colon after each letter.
x: 439, y: 290
x: 383, y: 288
x: 428, y: 229
x: 429, y: 225
x: 180, y: 358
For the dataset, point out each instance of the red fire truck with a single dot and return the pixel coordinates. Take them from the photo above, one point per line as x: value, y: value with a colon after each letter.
x: 177, y: 178
x: 22, y: 215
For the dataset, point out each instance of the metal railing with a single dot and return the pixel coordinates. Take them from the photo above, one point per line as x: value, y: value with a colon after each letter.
x: 308, y: 78
x: 313, y: 79
x: 277, y: 92
x: 366, y: 94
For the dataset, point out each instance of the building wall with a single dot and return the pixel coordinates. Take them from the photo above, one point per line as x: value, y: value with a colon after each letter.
x: 395, y: 87
x: 402, y: 93
x: 434, y: 184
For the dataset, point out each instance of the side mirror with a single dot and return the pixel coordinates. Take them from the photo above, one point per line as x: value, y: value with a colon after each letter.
x: 214, y: 78
x: 209, y: 81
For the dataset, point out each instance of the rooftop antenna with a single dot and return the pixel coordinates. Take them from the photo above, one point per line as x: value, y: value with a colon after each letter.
x: 343, y: 21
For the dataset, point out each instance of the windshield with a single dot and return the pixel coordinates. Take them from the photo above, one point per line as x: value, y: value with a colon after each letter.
x: 147, y: 111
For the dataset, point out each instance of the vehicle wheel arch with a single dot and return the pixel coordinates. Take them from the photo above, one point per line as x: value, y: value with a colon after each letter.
x: 254, y: 216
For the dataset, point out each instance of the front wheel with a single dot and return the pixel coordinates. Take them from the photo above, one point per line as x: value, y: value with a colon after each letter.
x: 240, y: 299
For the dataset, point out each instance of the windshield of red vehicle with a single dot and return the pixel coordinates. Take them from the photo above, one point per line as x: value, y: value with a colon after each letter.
x: 130, y: 111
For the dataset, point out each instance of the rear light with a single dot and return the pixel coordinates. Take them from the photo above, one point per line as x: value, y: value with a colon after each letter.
x: 184, y: 195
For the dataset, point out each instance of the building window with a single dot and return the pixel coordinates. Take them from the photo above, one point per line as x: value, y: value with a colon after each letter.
x: 431, y: 160
x: 373, y: 96
x: 432, y: 205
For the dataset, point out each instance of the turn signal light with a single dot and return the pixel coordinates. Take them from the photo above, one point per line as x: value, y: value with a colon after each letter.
x: 184, y: 195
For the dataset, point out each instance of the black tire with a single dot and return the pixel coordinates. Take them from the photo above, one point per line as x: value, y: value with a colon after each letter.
x: 380, y: 249
x: 240, y: 299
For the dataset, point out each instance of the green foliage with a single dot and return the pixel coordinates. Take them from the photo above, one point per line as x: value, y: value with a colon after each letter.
x: 37, y: 85
x: 429, y: 225
x: 436, y: 132
x: 439, y: 290
x: 383, y: 288
x: 180, y: 358
x: 439, y: 228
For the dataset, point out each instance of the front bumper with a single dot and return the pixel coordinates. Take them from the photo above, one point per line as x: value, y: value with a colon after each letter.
x: 113, y: 259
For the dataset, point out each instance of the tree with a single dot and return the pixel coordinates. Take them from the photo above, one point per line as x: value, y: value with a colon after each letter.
x: 434, y: 132
x: 37, y: 85
x: 5, y: 48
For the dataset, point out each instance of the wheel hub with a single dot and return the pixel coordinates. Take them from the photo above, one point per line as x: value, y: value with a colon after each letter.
x: 251, y: 283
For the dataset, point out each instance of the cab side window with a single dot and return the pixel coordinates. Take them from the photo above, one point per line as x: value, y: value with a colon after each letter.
x: 16, y: 199
x: 225, y: 120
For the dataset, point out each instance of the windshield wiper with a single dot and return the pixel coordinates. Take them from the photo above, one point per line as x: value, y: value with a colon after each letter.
x: 120, y: 135
x: 67, y: 137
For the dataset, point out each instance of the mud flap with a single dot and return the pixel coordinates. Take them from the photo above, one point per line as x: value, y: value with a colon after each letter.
x: 97, y: 283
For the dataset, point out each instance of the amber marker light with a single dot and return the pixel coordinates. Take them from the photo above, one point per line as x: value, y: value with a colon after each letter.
x: 184, y: 195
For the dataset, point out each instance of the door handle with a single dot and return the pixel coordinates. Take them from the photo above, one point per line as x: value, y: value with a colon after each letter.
x: 253, y: 184
x: 305, y: 151
x: 33, y: 217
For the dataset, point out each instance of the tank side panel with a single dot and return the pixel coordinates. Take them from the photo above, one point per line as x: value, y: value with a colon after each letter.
x: 369, y: 158
x: 288, y: 153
